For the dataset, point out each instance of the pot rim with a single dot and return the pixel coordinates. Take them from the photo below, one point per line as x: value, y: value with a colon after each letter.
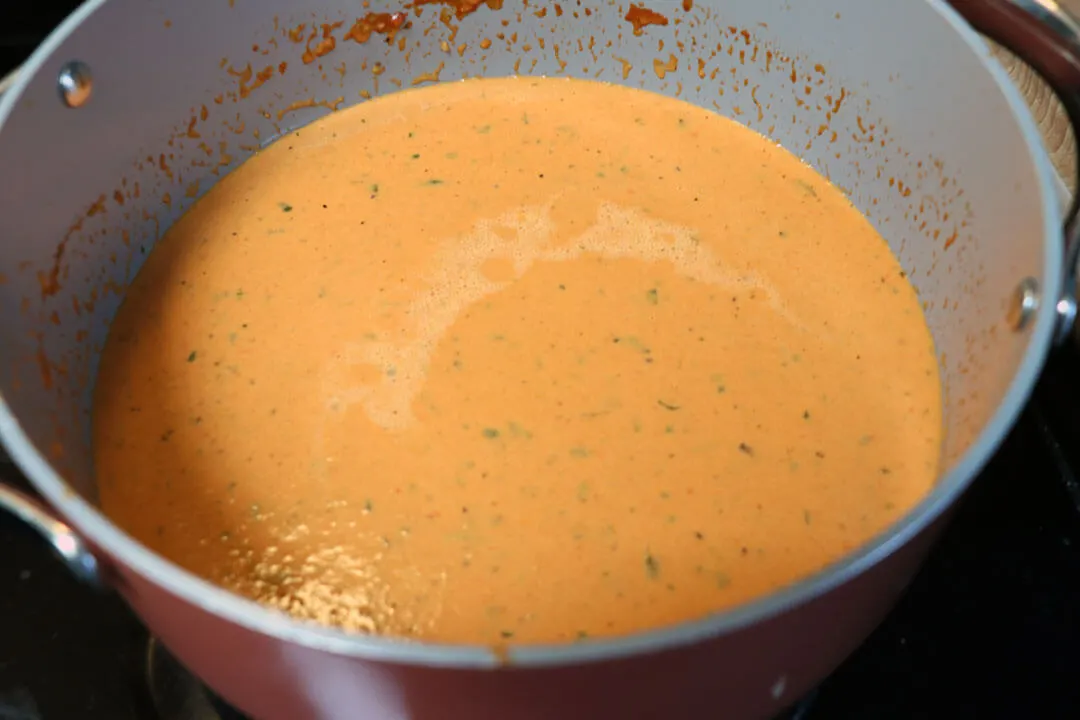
x: 249, y: 614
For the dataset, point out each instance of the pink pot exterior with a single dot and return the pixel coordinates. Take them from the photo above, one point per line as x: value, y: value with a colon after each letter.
x: 755, y: 672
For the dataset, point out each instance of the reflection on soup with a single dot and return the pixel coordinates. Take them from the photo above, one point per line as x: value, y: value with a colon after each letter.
x: 516, y: 360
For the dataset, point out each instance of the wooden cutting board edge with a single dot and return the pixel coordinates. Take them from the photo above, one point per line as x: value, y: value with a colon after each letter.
x: 1049, y: 115
x: 1045, y: 107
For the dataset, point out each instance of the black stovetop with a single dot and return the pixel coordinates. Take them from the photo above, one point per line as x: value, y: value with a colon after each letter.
x: 990, y: 628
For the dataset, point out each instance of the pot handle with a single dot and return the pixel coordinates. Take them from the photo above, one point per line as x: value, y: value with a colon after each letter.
x: 1046, y: 36
x: 70, y: 547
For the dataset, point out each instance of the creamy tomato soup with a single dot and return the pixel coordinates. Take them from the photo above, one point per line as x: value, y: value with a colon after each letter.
x: 516, y: 360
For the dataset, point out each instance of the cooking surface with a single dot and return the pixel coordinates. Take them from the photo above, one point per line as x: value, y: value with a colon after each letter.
x: 986, y: 630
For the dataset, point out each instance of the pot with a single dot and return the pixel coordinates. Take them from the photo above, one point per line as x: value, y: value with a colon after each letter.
x: 130, y: 110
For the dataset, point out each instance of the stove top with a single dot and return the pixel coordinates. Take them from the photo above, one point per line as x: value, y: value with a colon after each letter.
x: 989, y: 628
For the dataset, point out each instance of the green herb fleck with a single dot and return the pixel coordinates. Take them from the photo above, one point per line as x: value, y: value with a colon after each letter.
x: 669, y: 429
x: 191, y: 357
x: 807, y: 517
x: 484, y: 129
x: 667, y: 406
x: 579, y: 452
x: 451, y: 156
x: 652, y: 297
x: 374, y: 189
x: 634, y: 342
x: 416, y: 156
x: 806, y: 415
x: 718, y: 380
x: 652, y: 566
x: 807, y: 187
x: 240, y: 294
x: 525, y: 118
x: 285, y: 207
x: 582, y: 635
x: 369, y: 506
x: 507, y: 634
x: 722, y: 580
x: 518, y: 431
x: 583, y: 491
x: 434, y: 181
x: 490, y: 433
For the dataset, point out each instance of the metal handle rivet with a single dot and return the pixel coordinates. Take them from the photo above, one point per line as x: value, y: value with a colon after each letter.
x: 76, y: 83
x: 1024, y: 303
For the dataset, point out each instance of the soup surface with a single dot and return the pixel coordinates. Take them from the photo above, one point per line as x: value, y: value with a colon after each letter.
x: 516, y: 360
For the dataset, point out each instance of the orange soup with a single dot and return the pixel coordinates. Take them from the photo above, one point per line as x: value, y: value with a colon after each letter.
x: 516, y: 360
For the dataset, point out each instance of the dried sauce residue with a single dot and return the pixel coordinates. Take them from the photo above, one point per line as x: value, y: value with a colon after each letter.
x: 50, y: 281
x: 462, y: 8
x: 247, y: 80
x: 432, y: 76
x: 380, y: 23
x: 331, y: 105
x: 97, y: 207
x: 662, y: 68
x: 297, y: 33
x: 326, y: 43
x: 641, y: 17
x: 43, y: 363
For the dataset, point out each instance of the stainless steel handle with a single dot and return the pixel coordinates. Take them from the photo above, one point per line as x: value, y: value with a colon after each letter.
x: 1046, y: 36
x: 72, y: 550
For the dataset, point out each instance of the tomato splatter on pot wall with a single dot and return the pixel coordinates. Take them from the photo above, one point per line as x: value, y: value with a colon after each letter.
x: 375, y: 23
x: 641, y: 17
